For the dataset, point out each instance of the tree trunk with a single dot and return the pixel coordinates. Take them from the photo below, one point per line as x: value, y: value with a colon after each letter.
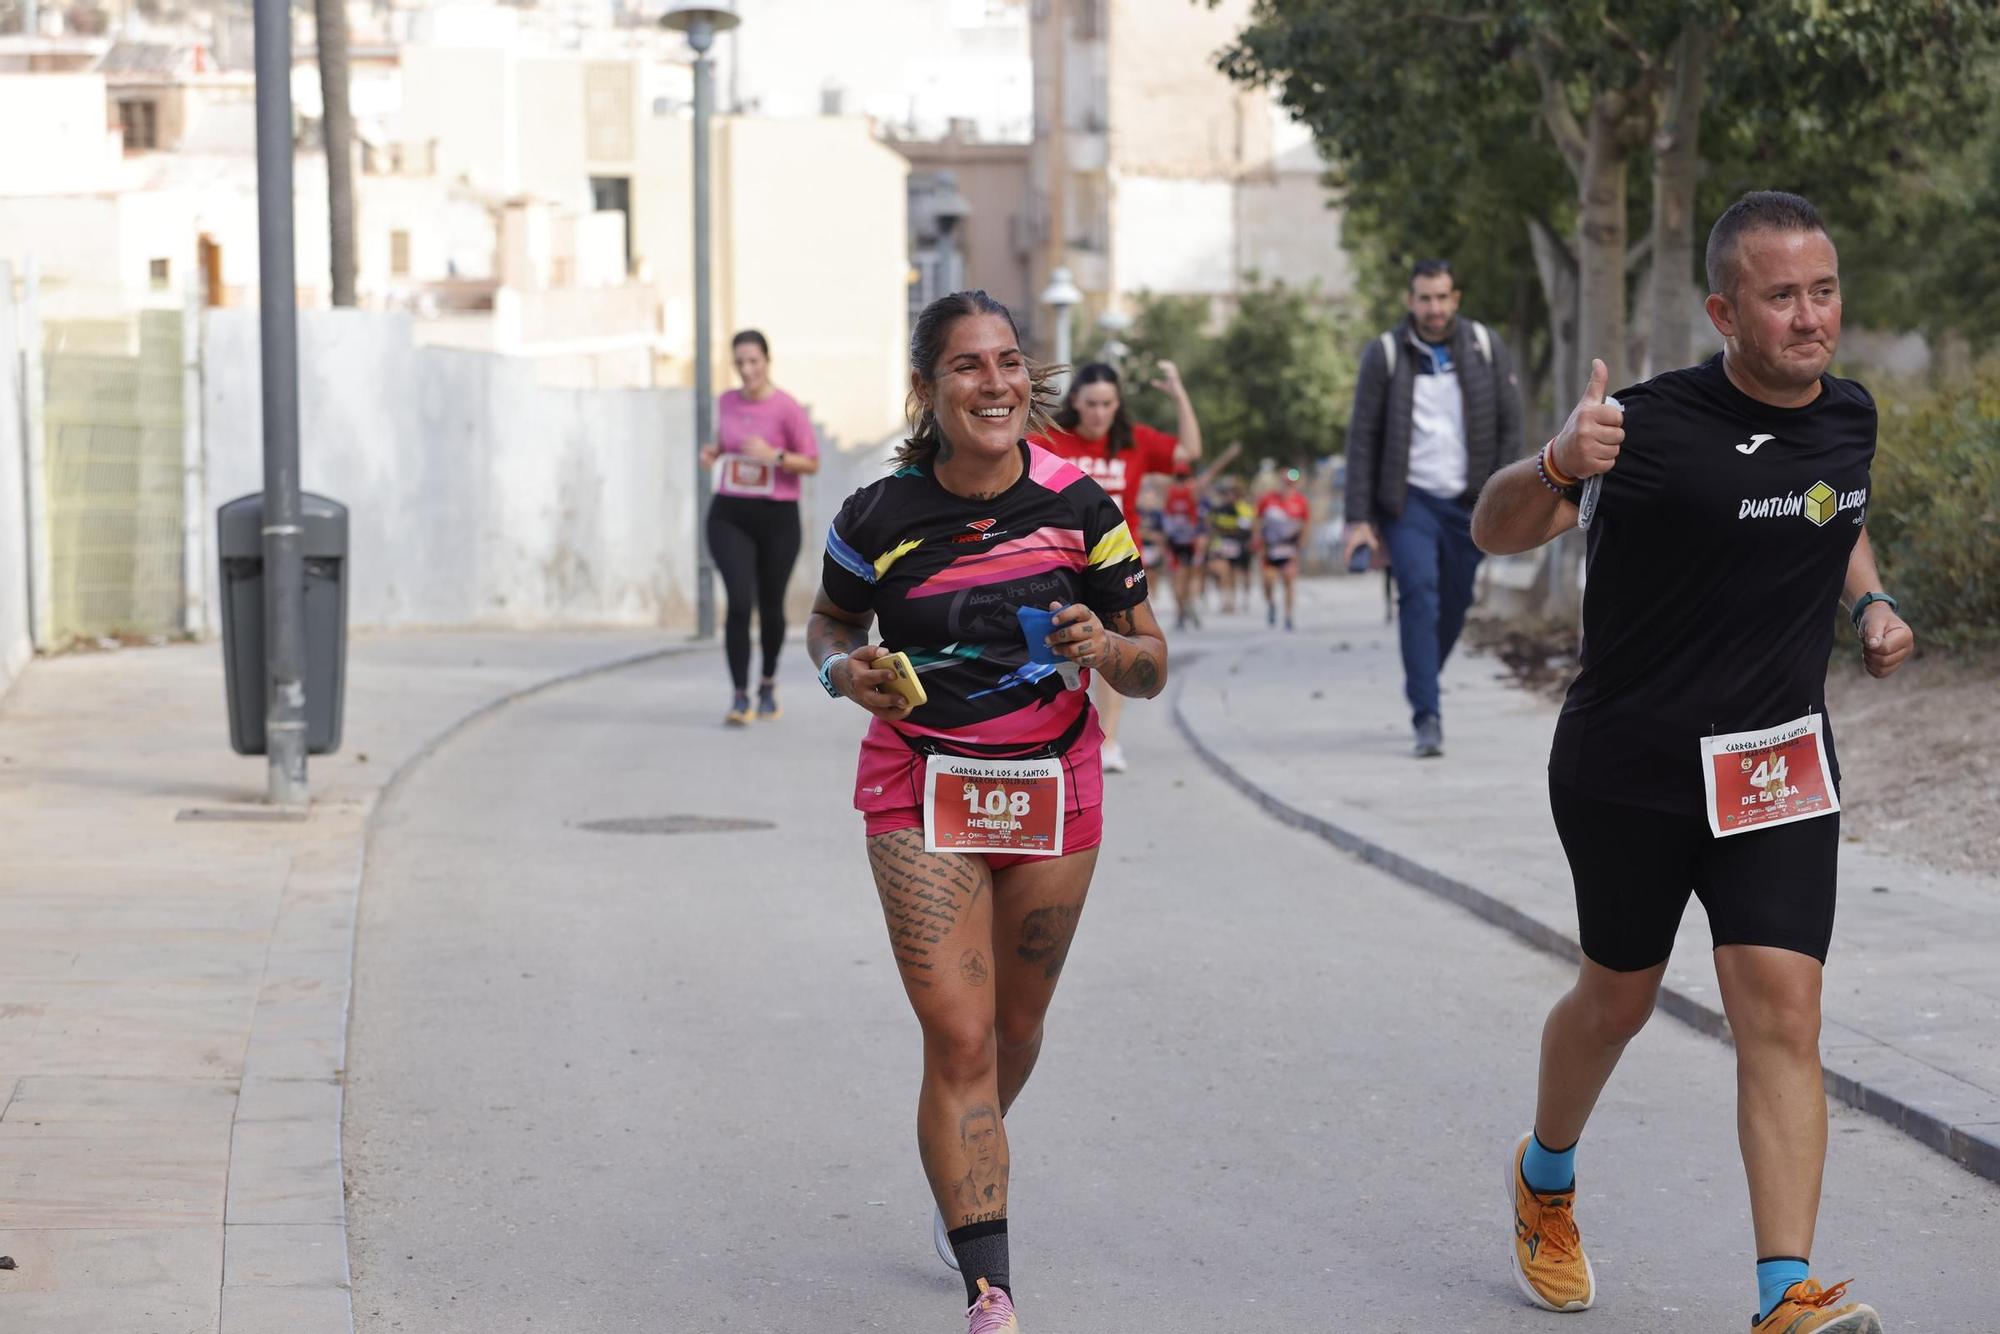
x: 338, y: 132
x: 1520, y: 330
x: 1555, y: 591
x: 1600, y: 238
x: 1676, y: 164
x: 1557, y: 267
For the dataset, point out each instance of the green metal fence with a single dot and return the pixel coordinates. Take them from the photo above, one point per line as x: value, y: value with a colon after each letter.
x: 115, y: 468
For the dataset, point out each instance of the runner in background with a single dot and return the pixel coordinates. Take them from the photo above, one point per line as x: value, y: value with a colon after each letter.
x: 1693, y: 753
x: 1094, y: 431
x: 1153, y: 524
x: 1232, y: 522
x: 1281, y: 524
x: 982, y: 805
x: 764, y: 443
x: 1183, y: 520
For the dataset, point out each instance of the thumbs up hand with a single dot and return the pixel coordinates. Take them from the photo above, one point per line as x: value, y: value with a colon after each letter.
x: 1589, y: 441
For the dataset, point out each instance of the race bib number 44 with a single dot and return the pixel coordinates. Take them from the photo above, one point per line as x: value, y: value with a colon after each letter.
x: 1010, y: 806
x: 1756, y: 780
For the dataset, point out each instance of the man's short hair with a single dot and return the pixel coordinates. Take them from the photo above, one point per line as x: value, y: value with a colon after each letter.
x: 1759, y: 210
x: 1430, y: 268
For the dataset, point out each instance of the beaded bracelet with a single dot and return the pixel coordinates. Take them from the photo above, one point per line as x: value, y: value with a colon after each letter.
x: 1550, y: 476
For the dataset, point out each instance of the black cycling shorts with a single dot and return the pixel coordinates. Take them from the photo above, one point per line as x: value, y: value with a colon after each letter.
x: 1635, y: 867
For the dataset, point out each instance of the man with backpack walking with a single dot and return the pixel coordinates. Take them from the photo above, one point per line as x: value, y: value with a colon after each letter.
x: 1436, y: 412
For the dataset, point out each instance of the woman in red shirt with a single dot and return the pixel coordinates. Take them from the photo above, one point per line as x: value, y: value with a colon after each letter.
x: 1282, y: 516
x: 1094, y: 432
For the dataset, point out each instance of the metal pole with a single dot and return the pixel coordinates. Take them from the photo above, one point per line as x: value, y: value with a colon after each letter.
x: 194, y: 471
x: 284, y: 558
x: 34, y: 427
x: 700, y: 37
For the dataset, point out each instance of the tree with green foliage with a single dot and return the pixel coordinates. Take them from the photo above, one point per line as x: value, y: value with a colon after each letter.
x: 1278, y: 376
x: 1531, y: 118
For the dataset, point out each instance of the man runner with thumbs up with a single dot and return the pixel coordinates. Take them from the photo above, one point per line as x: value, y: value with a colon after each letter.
x: 1693, y: 753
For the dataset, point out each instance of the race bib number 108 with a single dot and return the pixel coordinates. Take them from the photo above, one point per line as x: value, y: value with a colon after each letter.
x: 1008, y: 806
x: 1756, y: 780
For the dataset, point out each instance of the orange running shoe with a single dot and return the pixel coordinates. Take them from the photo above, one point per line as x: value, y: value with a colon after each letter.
x: 1550, y: 1267
x: 1807, y: 1308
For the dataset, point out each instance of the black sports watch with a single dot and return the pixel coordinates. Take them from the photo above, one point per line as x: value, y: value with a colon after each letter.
x: 1861, y: 605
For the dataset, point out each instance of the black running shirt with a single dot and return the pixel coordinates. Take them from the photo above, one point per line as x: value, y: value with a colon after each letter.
x: 944, y: 575
x: 1716, y: 564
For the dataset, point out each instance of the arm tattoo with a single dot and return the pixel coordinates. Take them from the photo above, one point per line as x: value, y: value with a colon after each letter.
x: 1137, y: 675
x: 1130, y: 663
x: 826, y: 635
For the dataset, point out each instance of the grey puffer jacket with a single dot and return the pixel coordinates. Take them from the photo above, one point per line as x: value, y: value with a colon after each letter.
x: 1378, y: 433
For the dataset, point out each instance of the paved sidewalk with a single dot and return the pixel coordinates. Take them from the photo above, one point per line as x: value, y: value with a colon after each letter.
x: 174, y: 992
x: 1314, y: 725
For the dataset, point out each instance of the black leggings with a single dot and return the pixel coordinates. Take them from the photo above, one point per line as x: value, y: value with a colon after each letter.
x: 755, y: 544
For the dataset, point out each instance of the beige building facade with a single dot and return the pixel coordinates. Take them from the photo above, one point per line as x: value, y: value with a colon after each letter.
x: 809, y: 219
x: 1153, y: 172
x: 994, y: 238
x: 810, y: 247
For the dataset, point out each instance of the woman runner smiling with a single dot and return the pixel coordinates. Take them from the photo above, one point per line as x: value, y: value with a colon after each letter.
x: 981, y: 803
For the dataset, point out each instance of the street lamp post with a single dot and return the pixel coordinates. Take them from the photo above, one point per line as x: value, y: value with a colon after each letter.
x: 1060, y: 295
x: 1114, y: 323
x: 284, y: 550
x: 701, y: 22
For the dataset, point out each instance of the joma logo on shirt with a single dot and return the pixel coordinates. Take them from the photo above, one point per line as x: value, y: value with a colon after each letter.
x: 1818, y: 503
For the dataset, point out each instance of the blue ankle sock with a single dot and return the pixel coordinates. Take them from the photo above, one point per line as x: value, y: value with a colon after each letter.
x: 1546, y: 1171
x: 1775, y: 1278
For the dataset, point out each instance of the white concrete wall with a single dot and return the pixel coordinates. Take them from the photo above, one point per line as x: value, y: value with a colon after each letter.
x: 15, y: 645
x: 74, y: 145
x: 477, y: 497
x: 69, y: 236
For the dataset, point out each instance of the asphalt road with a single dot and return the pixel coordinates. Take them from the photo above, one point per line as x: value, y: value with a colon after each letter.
x: 617, y: 1081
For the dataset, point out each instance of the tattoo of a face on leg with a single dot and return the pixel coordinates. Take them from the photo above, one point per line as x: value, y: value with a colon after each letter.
x: 922, y: 896
x: 1046, y: 934
x: 981, y: 1194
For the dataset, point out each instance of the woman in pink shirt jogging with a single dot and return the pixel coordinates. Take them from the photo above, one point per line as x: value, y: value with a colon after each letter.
x: 763, y: 444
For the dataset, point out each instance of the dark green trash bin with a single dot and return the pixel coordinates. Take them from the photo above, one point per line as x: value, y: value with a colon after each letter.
x: 240, y: 542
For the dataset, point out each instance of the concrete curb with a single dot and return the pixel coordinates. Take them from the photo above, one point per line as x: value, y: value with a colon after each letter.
x: 287, y: 1165
x: 1976, y: 1148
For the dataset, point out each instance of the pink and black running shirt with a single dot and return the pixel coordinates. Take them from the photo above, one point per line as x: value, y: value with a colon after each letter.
x: 944, y: 575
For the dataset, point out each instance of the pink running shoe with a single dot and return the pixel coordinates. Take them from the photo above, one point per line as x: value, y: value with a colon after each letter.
x: 993, y: 1313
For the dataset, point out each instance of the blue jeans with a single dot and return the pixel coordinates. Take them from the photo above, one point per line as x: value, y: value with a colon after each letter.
x: 1435, y: 562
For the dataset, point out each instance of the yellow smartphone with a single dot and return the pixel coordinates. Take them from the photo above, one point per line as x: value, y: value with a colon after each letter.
x: 906, y: 683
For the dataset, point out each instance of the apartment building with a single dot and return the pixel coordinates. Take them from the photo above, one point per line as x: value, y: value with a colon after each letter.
x: 1152, y: 172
